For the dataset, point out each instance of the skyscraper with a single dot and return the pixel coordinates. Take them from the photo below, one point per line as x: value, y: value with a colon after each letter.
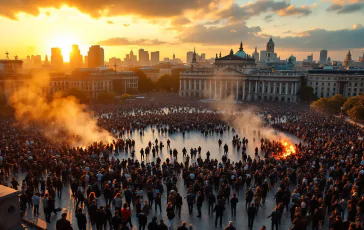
x: 154, y: 57
x: 189, y: 57
x: 56, y: 57
x: 323, y: 57
x: 143, y: 57
x: 203, y: 57
x: 310, y: 58
x: 256, y: 55
x: 75, y: 57
x: 95, y: 56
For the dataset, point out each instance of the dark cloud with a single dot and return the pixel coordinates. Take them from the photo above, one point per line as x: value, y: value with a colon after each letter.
x: 126, y: 42
x: 97, y: 8
x: 347, y: 8
x: 236, y: 12
x: 252, y: 36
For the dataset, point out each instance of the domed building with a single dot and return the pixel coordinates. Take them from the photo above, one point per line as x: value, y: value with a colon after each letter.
x: 268, y: 55
x: 236, y: 77
x: 241, y: 52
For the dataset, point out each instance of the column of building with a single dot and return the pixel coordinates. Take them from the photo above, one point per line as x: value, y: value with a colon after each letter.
x: 237, y: 91
x: 243, y: 96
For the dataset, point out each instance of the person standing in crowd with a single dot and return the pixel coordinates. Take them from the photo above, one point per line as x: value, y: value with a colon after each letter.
x: 81, y: 219
x: 219, y: 209
x: 116, y: 220
x: 252, y: 212
x: 126, y: 215
x: 199, y: 203
x: 153, y: 225
x: 183, y: 226
x: 162, y: 225
x: 36, y: 201
x: 275, y: 217
x: 190, y: 201
x: 212, y: 201
x: 143, y: 220
x: 170, y: 214
x: 230, y: 226
x: 179, y: 203
x: 63, y: 223
x: 233, y: 202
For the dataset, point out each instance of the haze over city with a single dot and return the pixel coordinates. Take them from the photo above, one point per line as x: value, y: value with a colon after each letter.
x: 297, y: 27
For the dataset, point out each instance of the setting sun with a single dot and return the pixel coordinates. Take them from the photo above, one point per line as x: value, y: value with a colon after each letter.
x: 65, y: 43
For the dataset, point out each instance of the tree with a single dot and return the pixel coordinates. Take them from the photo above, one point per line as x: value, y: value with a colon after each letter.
x: 356, y: 113
x: 145, y: 83
x: 106, y: 97
x: 321, y: 105
x: 353, y: 101
x: 306, y: 93
x: 336, y: 102
x: 79, y: 94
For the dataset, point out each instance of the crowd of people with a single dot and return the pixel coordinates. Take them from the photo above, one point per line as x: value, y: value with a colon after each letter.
x: 322, y: 181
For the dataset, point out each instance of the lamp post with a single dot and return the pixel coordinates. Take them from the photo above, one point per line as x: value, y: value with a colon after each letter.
x: 341, y: 111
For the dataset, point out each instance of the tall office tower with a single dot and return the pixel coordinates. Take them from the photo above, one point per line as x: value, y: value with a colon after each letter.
x: 95, y: 56
x: 56, y: 57
x: 154, y: 57
x: 143, y: 57
x: 323, y: 57
x: 310, y: 58
x: 203, y: 57
x: 76, y: 58
x: 189, y: 57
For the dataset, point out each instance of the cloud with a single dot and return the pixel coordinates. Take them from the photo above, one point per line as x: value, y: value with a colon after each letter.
x: 178, y: 21
x: 126, y: 25
x: 283, y: 8
x: 346, y: 8
x: 253, y: 36
x: 321, y: 38
x: 110, y: 22
x: 287, y: 32
x: 268, y: 18
x: 126, y: 42
x: 292, y: 10
x: 97, y: 8
x: 214, y: 35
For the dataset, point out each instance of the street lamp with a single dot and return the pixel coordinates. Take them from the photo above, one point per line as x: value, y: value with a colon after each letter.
x: 341, y: 111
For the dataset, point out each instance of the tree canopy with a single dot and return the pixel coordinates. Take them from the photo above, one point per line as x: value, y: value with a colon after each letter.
x: 79, y: 94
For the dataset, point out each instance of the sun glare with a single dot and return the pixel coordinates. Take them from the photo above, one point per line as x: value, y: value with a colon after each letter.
x: 65, y: 42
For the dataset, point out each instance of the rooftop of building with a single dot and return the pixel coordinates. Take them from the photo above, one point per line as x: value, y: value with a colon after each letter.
x: 337, y: 71
x: 6, y: 192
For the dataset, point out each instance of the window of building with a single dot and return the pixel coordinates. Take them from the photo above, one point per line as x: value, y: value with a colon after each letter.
x: 322, y: 83
x: 328, y: 83
x: 334, y: 89
x: 356, y: 84
x: 334, y: 84
x: 316, y: 83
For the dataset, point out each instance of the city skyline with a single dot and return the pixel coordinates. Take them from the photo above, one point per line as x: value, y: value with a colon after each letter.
x: 297, y: 27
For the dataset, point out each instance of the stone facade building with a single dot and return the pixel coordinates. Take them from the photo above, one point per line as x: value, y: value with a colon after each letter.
x: 236, y: 77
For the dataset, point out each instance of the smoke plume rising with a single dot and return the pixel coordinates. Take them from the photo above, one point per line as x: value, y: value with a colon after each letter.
x: 59, y: 118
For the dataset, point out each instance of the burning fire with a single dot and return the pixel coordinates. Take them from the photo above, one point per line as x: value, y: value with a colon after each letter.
x: 288, y: 149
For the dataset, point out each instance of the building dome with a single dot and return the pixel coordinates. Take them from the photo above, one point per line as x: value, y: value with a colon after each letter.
x: 241, y: 52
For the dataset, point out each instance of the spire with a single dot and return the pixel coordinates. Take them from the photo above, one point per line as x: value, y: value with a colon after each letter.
x: 220, y: 54
x: 255, y: 49
x: 216, y: 56
x: 241, y: 46
x: 231, y: 52
x: 194, y: 58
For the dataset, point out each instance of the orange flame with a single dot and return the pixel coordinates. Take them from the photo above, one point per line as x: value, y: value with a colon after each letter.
x: 288, y: 149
